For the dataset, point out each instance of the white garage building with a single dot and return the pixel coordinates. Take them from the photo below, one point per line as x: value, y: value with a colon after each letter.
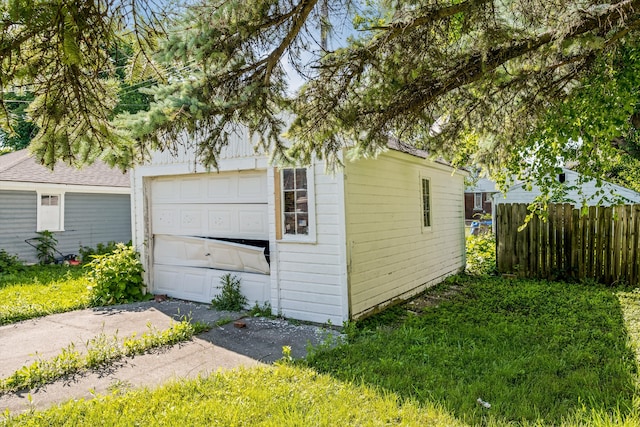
x: 317, y: 247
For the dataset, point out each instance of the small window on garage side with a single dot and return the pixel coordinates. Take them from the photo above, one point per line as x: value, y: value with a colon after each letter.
x: 50, y: 212
x: 426, y: 203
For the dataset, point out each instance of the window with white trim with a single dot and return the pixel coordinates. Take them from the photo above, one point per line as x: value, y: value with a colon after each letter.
x: 50, y: 212
x: 295, y: 202
x: 295, y: 205
x: 426, y: 203
x: 477, y: 201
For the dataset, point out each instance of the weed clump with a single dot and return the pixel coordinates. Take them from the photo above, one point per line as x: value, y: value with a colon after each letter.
x: 230, y: 297
x: 10, y: 263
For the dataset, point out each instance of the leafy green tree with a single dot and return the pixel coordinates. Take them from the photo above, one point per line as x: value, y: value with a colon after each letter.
x: 23, y: 130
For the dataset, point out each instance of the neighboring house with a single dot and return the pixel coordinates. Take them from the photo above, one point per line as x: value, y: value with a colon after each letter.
x: 576, y: 194
x: 315, y: 246
x: 478, y: 199
x: 83, y: 207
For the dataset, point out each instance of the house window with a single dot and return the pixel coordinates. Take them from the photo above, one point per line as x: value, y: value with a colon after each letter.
x: 477, y: 201
x: 426, y: 203
x: 50, y: 212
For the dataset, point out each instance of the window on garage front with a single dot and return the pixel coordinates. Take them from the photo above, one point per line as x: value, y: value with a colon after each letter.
x: 295, y: 205
x: 295, y: 202
x: 50, y: 212
x: 426, y: 203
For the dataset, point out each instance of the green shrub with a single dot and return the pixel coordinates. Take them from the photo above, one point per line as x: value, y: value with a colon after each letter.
x: 116, y: 278
x: 87, y: 253
x: 10, y: 263
x: 46, y: 246
x: 481, y: 254
x: 230, y: 298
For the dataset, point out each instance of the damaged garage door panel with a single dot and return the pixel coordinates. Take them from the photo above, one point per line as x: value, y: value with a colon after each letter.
x: 190, y: 251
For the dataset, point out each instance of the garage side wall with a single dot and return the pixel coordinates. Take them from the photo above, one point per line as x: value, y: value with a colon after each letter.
x: 391, y: 253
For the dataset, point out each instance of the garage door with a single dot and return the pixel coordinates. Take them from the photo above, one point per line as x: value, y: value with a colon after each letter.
x: 200, y: 224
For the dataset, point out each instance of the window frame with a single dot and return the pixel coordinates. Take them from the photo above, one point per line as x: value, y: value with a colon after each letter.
x: 477, y: 206
x: 281, y: 236
x: 424, y: 213
x: 40, y: 210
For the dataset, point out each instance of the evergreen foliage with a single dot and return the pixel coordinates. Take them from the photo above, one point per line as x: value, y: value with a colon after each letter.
x: 514, y: 85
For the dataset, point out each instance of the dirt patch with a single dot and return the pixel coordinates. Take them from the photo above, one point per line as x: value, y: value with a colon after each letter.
x: 433, y: 297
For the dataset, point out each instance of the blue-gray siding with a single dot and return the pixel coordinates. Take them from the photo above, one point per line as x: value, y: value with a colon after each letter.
x: 89, y: 219
x: 18, y: 222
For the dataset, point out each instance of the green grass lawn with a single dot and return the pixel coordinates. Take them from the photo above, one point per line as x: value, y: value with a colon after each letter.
x: 540, y: 353
x: 536, y: 351
x: 42, y: 290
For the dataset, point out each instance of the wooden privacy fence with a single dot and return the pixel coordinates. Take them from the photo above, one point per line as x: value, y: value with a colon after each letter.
x: 602, y: 244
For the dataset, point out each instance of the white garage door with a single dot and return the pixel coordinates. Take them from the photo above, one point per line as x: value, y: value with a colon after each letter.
x: 187, y: 212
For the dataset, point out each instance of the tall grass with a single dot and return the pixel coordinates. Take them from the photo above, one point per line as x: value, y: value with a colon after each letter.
x: 265, y: 396
x: 42, y: 290
x: 536, y: 351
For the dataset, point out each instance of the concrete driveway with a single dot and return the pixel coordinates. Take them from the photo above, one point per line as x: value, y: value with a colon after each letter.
x: 223, y: 347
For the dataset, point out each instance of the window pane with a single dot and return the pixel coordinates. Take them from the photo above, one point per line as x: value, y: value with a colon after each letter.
x: 302, y: 224
x: 301, y: 201
x: 288, y: 179
x: 289, y: 223
x: 290, y: 201
x: 301, y: 179
x: 48, y: 200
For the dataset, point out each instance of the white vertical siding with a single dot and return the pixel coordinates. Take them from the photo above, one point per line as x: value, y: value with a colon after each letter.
x: 309, y: 282
x: 390, y: 254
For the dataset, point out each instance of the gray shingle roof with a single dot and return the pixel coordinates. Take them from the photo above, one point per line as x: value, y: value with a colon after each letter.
x: 21, y: 166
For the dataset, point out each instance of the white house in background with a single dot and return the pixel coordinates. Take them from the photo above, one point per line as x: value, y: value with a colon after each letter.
x: 590, y: 193
x: 315, y: 246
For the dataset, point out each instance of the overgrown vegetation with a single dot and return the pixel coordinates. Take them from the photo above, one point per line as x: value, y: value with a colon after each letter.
x: 481, y: 254
x: 46, y: 246
x: 41, y: 290
x: 536, y: 351
x: 10, y: 263
x: 100, y: 351
x: 540, y: 353
x: 87, y: 253
x: 116, y: 278
x: 262, y: 311
x: 230, y: 297
x: 264, y: 396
